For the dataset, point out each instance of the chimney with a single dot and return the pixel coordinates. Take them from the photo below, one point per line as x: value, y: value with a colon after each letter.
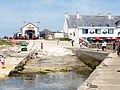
x: 66, y: 15
x: 78, y: 16
x: 109, y: 15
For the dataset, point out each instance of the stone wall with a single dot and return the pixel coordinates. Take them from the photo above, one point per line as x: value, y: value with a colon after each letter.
x: 91, y: 58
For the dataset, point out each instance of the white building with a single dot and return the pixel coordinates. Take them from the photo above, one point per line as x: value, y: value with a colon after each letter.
x: 58, y: 35
x: 29, y: 30
x: 91, y: 26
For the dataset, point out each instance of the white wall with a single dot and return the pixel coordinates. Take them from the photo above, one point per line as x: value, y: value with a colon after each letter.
x: 59, y: 35
x: 76, y: 37
x: 70, y: 33
x: 65, y: 26
x: 30, y: 27
x: 118, y: 29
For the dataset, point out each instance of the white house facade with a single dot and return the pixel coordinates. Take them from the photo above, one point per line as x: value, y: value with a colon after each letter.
x: 91, y: 26
x: 58, y: 35
x: 30, y: 30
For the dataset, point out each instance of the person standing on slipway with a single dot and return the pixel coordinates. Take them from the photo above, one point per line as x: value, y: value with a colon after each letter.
x: 118, y: 49
x: 114, y: 46
x: 2, y: 60
x: 72, y: 42
x: 104, y: 44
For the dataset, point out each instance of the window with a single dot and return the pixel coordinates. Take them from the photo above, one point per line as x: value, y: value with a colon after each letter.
x: 104, y: 32
x: 73, y: 33
x: 91, y: 32
x: 84, y: 31
x: 70, y: 33
x: 98, y: 31
x: 110, y: 31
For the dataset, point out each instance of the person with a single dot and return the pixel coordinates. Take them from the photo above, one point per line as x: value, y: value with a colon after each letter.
x: 72, y: 42
x: 2, y: 60
x: 90, y: 44
x: 118, y: 48
x: 57, y: 42
x: 97, y: 45
x: 114, y: 46
x: 104, y: 44
x: 81, y: 44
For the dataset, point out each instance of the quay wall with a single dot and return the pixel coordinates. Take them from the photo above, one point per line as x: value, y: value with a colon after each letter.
x: 17, y: 70
x: 90, y: 57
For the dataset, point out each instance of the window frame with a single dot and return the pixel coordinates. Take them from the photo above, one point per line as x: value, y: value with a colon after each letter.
x: 98, y: 31
x: 84, y: 31
x: 109, y: 31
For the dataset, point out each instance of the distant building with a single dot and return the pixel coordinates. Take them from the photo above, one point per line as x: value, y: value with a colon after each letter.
x: 28, y: 31
x: 91, y: 26
x: 45, y: 34
x: 59, y: 35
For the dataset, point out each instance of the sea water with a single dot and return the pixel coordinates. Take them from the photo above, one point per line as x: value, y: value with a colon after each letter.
x: 49, y: 81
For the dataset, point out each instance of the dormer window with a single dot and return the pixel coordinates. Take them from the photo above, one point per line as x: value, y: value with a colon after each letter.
x: 107, y: 25
x: 92, y: 25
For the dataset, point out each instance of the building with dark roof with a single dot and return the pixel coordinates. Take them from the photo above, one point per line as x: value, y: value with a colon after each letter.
x: 87, y: 26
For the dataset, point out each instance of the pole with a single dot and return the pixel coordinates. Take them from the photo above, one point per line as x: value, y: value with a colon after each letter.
x: 41, y: 45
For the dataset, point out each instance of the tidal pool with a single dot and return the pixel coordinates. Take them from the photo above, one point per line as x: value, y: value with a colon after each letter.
x: 49, y: 81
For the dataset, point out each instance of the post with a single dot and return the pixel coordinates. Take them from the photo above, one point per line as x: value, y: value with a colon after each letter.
x: 41, y: 45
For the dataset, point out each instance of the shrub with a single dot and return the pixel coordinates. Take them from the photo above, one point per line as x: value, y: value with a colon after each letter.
x: 64, y: 39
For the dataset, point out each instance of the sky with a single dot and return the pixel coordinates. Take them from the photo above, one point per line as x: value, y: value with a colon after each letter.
x: 50, y: 13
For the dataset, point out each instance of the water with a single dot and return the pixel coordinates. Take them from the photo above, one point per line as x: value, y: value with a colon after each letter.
x: 50, y: 81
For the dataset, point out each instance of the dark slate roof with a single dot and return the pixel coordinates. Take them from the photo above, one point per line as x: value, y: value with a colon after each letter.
x: 94, y: 21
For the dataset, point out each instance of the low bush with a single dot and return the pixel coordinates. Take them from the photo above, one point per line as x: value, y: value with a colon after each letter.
x: 64, y: 39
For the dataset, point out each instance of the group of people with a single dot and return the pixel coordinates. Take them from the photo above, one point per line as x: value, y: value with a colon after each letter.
x: 115, y: 46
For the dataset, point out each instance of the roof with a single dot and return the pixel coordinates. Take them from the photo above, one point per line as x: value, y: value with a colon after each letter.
x: 93, y: 20
x: 28, y: 24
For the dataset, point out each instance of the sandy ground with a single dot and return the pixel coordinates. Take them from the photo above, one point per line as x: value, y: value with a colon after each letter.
x: 53, y: 56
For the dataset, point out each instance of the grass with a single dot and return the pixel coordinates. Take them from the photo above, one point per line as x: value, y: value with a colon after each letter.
x: 5, y: 42
x: 85, y: 71
x: 64, y: 70
x: 44, y: 71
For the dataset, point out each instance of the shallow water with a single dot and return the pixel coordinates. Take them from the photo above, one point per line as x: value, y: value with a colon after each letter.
x: 49, y: 81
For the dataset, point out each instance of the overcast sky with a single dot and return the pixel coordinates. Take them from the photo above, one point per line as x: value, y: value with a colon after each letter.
x: 50, y: 13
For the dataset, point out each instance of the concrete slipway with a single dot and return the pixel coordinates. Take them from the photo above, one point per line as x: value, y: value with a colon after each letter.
x: 106, y: 76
